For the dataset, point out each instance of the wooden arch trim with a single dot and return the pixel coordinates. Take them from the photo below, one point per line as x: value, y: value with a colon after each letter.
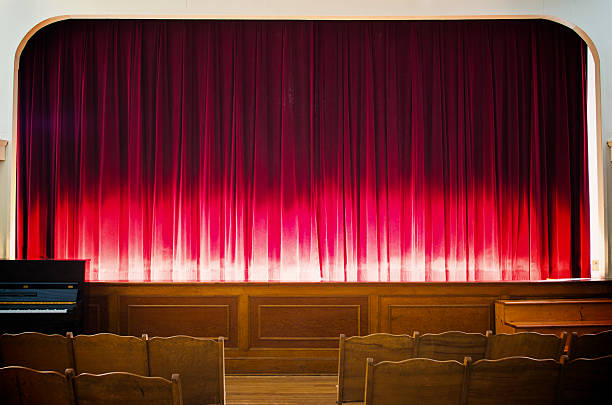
x: 581, y: 33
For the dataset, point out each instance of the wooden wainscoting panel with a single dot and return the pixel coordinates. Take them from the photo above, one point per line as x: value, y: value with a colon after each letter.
x: 96, y: 315
x: 404, y: 315
x: 306, y: 322
x: 168, y: 316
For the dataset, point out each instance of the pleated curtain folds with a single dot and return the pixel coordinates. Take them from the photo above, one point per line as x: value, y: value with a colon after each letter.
x: 170, y: 150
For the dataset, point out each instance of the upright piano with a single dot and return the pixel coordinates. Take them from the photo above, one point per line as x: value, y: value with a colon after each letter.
x: 41, y: 295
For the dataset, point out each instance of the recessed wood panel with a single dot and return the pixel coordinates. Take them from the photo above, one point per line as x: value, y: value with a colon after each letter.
x: 320, y: 322
x: 405, y: 315
x: 170, y: 316
x: 306, y: 322
x: 170, y: 320
x: 96, y: 315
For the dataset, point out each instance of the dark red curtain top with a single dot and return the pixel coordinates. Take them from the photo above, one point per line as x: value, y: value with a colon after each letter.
x: 305, y: 150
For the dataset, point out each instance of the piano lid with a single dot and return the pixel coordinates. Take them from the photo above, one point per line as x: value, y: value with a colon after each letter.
x: 43, y: 271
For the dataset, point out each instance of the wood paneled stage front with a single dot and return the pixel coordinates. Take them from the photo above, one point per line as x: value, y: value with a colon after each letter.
x: 289, y: 328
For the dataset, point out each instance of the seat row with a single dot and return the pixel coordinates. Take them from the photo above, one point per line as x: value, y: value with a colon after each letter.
x: 454, y: 346
x: 513, y: 380
x: 24, y: 386
x: 199, y: 361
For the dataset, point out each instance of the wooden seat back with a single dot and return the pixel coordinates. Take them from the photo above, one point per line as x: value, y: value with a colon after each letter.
x: 586, y: 381
x: 9, y: 385
x: 24, y: 386
x: 418, y: 381
x: 37, y: 351
x: 106, y: 352
x: 126, y: 388
x: 452, y: 345
x: 526, y: 344
x: 199, y: 362
x: 590, y: 346
x: 354, y: 352
x: 514, y: 380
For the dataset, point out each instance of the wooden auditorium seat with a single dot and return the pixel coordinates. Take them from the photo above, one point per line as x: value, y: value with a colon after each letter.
x: 590, y: 346
x: 452, y: 345
x: 37, y: 351
x: 199, y: 361
x: 24, y: 386
x: 414, y: 381
x: 514, y: 380
x: 585, y: 381
x: 9, y: 386
x: 354, y: 352
x: 525, y: 344
x: 126, y: 388
x: 106, y: 352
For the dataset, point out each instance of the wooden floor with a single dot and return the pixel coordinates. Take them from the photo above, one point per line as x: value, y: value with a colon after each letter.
x: 285, y: 390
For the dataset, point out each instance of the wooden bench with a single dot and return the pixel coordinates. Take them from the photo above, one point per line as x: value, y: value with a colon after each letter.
x: 126, y: 388
x: 354, y: 352
x: 24, y: 386
x: 451, y: 345
x: 532, y: 377
x: 514, y: 380
x: 37, y: 351
x: 199, y: 361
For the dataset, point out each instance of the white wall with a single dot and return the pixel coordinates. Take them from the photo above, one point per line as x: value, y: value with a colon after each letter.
x: 17, y: 17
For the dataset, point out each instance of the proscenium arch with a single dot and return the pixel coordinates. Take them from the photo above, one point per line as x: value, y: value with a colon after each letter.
x: 602, y: 228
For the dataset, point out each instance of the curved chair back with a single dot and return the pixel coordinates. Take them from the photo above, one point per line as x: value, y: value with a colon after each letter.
x: 590, y: 346
x: 526, y: 344
x: 514, y: 380
x: 129, y: 354
x: 418, y: 381
x: 24, y: 386
x: 37, y: 351
x: 199, y: 362
x: 126, y: 388
x: 452, y: 345
x: 586, y: 381
x: 354, y: 352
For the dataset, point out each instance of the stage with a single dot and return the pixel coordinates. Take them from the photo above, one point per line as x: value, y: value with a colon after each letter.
x: 293, y: 328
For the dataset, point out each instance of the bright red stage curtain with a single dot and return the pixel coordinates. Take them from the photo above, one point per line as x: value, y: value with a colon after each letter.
x: 305, y: 150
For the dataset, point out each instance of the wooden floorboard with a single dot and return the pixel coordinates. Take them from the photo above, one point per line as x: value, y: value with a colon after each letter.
x: 281, y: 390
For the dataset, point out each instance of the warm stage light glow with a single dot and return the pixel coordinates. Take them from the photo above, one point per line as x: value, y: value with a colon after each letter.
x: 305, y: 150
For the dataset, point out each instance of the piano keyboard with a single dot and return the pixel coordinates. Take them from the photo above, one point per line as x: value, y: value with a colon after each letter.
x: 41, y: 296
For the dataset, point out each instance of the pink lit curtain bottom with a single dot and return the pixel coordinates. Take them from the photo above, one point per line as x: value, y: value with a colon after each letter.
x: 305, y: 150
